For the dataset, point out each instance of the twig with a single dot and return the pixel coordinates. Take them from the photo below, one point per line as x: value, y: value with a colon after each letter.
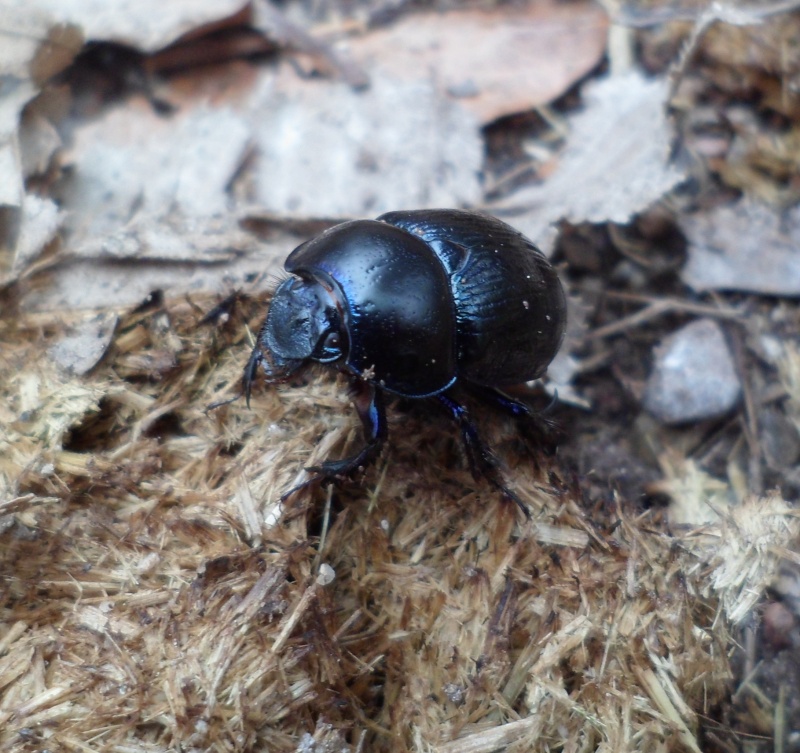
x: 641, y: 17
x: 751, y: 419
x: 657, y: 307
x: 779, y: 725
x: 717, y: 11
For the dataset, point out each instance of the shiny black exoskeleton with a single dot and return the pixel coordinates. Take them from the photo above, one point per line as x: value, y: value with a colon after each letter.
x: 412, y: 304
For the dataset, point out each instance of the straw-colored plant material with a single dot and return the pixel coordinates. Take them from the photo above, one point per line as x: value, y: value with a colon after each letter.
x: 789, y: 369
x: 156, y: 595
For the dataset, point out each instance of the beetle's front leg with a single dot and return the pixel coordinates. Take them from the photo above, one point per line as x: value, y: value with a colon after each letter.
x: 368, y: 402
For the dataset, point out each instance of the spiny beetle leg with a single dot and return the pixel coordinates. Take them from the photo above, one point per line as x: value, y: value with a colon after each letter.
x: 298, y: 488
x: 482, y: 461
x: 368, y: 402
x: 536, y: 426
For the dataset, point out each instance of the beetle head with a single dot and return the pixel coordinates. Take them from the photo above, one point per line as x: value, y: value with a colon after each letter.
x: 302, y: 324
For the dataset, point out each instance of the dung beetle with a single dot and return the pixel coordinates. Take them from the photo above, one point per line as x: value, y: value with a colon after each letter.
x: 413, y: 304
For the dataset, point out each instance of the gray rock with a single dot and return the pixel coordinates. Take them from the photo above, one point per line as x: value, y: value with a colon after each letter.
x: 694, y: 376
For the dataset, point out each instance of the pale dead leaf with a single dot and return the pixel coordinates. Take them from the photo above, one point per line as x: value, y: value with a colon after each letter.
x: 145, y: 24
x: 171, y: 239
x: 98, y: 283
x: 32, y: 48
x: 326, y: 150
x: 150, y: 188
x: 746, y: 246
x: 614, y: 164
x: 15, y: 91
x: 41, y: 220
x: 148, y: 207
x: 146, y: 187
x: 38, y: 141
x: 83, y: 347
x: 499, y: 61
x: 31, y: 43
x: 11, y: 189
x: 34, y: 43
x: 12, y: 193
x: 132, y: 163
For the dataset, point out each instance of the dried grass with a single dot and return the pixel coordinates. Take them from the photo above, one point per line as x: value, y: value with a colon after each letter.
x: 155, y: 595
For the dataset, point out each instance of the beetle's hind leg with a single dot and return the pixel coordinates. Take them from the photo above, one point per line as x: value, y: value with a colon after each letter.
x: 536, y: 426
x: 482, y: 461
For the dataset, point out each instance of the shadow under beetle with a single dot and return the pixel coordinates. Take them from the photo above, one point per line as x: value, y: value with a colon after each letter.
x: 413, y: 304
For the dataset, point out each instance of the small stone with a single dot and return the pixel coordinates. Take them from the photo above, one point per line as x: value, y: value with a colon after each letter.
x: 694, y: 377
x: 454, y: 692
x: 326, y: 575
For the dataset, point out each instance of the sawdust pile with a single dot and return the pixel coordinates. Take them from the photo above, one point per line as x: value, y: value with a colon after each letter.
x: 155, y: 595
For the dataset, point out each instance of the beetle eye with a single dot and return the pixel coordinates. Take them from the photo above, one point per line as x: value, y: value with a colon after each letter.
x: 329, y: 347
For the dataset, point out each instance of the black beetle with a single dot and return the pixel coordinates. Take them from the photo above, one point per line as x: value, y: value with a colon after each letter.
x: 412, y: 304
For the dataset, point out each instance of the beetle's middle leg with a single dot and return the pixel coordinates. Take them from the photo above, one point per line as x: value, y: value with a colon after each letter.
x: 482, y: 461
x: 368, y: 402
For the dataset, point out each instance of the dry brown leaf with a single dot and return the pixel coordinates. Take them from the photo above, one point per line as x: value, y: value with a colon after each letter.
x: 497, y: 61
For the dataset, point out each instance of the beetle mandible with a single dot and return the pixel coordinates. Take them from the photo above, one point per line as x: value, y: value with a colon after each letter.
x: 414, y: 304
